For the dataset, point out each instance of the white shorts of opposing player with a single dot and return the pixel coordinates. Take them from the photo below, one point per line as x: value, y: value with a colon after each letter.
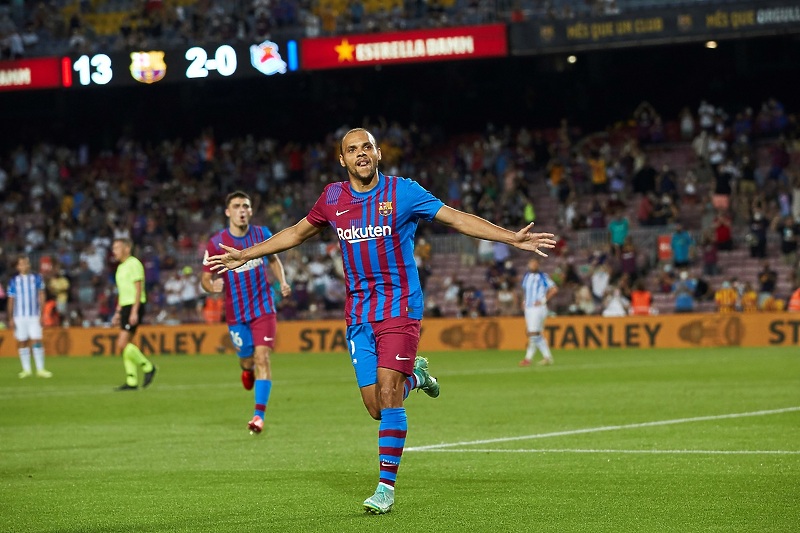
x: 535, y: 316
x: 27, y: 328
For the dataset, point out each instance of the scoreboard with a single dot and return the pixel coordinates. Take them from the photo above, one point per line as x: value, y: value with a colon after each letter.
x: 273, y: 57
x: 152, y: 66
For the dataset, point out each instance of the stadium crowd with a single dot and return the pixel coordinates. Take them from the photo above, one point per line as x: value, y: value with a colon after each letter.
x: 604, y: 193
x: 30, y: 29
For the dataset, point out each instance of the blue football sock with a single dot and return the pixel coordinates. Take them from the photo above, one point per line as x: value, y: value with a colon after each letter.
x: 261, y: 393
x: 391, y: 441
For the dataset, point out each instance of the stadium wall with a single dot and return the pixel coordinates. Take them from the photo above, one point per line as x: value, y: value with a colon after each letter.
x: 563, y: 333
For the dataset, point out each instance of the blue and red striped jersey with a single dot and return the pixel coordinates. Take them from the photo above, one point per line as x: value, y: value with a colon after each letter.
x: 376, y: 235
x: 248, y: 294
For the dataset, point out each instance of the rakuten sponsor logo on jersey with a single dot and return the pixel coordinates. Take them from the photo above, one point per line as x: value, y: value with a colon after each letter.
x: 354, y: 234
x: 250, y: 265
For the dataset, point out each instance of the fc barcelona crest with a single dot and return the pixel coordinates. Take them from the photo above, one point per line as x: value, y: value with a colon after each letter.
x: 385, y: 208
x: 148, y: 67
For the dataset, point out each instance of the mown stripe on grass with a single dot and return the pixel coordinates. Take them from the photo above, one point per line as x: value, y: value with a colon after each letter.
x: 602, y: 428
x: 578, y: 450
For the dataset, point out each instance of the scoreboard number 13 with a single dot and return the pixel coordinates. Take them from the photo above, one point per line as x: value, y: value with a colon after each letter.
x: 101, y: 64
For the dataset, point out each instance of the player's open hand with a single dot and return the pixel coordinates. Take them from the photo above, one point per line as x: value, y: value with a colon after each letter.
x: 286, y: 289
x: 227, y: 261
x: 533, y: 242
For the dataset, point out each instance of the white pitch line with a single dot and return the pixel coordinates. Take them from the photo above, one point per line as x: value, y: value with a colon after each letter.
x: 658, y: 452
x: 601, y: 428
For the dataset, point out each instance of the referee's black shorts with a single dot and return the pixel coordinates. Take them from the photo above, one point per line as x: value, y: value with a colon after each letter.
x: 125, y: 316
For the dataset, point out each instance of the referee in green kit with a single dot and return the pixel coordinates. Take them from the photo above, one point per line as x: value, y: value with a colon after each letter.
x: 131, y: 299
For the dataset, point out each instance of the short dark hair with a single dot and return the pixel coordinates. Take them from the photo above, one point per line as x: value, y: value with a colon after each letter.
x: 341, y: 141
x: 236, y: 194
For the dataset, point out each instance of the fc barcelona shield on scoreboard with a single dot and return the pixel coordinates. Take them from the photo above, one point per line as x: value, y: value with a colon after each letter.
x: 148, y: 67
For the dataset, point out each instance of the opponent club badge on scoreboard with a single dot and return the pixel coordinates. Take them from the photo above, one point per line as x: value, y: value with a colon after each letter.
x: 148, y: 67
x: 265, y: 58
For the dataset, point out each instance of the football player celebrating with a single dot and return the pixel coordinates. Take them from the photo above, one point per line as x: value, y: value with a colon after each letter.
x: 375, y: 217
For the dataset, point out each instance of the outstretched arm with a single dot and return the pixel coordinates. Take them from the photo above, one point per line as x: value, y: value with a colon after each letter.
x: 481, y: 228
x: 281, y: 241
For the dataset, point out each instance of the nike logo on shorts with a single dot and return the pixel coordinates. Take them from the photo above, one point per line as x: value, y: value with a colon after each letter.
x: 267, y: 339
x: 402, y: 358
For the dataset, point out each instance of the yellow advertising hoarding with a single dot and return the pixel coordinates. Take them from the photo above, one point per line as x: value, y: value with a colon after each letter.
x: 443, y: 334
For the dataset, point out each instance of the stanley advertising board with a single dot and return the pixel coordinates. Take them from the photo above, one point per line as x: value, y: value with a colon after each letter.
x: 563, y: 333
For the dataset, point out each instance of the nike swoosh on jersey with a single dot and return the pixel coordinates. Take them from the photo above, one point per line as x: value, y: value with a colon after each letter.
x: 338, y: 213
x: 402, y: 358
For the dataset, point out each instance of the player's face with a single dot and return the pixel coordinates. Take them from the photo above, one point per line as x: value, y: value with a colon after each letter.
x: 23, y: 265
x: 239, y: 212
x: 360, y: 155
x: 119, y: 250
x: 533, y: 265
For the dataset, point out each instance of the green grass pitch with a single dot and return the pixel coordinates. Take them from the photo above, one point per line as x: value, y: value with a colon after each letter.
x: 700, y: 440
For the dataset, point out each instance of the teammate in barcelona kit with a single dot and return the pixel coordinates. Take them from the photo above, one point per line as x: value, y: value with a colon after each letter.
x: 375, y: 217
x: 25, y: 304
x: 249, y: 308
x: 537, y: 288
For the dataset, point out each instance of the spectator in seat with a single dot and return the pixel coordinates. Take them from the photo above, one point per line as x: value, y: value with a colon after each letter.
x: 666, y: 182
x: 789, y: 232
x: 708, y: 249
x: 473, y: 303
x: 599, y: 282
x: 583, y: 302
x: 794, y: 301
x: 664, y: 212
x: 681, y: 244
x: 628, y: 259
x: 767, y: 282
x: 507, y: 300
x: 757, y: 236
x: 749, y: 299
x: 772, y: 303
x: 702, y: 290
x: 616, y: 304
x: 59, y: 286
x: 213, y: 308
x: 723, y: 233
x: 618, y: 229
x: 644, y: 212
x: 666, y: 279
x: 686, y: 124
x: 725, y: 298
x: 683, y: 289
x: 641, y: 299
x: 690, y: 192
